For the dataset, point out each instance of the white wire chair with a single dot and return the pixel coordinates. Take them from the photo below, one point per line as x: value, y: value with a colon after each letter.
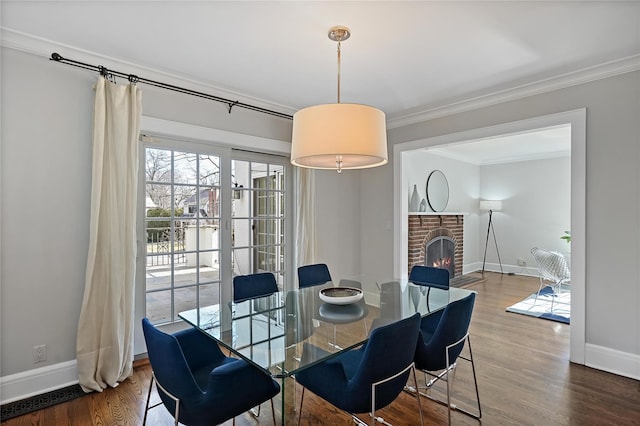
x: 554, y: 268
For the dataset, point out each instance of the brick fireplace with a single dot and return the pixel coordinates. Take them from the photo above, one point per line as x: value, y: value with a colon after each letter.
x: 424, y: 228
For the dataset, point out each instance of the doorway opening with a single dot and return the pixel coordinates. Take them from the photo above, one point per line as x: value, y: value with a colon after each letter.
x: 576, y: 122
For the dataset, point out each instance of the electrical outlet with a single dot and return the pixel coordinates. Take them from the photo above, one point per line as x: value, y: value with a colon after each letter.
x: 39, y: 353
x: 521, y: 262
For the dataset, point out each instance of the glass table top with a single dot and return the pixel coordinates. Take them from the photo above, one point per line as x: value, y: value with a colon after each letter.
x: 276, y: 332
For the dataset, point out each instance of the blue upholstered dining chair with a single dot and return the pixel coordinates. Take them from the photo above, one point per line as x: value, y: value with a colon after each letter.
x: 369, y: 378
x: 253, y: 285
x: 428, y: 276
x: 442, y: 338
x: 197, y: 383
x: 310, y: 275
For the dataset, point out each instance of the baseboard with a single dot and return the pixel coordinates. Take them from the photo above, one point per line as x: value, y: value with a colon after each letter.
x: 612, y: 361
x: 528, y: 271
x: 38, y: 381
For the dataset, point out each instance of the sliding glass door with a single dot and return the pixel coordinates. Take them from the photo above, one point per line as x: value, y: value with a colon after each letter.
x: 210, y: 213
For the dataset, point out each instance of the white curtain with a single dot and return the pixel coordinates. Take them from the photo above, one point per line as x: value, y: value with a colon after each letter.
x: 305, y: 217
x: 105, y: 329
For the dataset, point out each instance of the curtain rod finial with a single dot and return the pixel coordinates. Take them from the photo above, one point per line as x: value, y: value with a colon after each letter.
x: 56, y: 57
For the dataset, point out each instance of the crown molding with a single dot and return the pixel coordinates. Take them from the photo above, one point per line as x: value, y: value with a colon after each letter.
x: 605, y: 70
x: 44, y: 47
x: 512, y: 159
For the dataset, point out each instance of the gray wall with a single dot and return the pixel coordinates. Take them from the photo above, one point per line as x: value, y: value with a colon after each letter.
x: 337, y: 219
x: 612, y: 192
x: 45, y: 187
x: 536, y: 209
x: 536, y: 198
x: 46, y: 179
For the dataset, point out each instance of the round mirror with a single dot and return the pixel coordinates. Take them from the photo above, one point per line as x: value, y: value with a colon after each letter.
x: 437, y: 191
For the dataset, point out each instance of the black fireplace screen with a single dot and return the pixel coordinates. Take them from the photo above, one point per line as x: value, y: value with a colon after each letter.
x: 440, y: 253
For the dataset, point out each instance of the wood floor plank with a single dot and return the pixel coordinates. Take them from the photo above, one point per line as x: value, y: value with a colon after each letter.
x: 522, y: 363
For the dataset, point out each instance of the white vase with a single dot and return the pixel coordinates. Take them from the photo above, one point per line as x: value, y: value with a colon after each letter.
x: 415, y: 200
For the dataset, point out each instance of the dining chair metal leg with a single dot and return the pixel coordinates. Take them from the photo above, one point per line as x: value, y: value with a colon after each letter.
x: 475, y: 383
x: 415, y: 381
x: 357, y: 420
x: 273, y: 413
x: 175, y: 400
x: 256, y: 413
x: 375, y: 419
x: 293, y: 377
x: 301, y: 401
x: 147, y: 407
x: 445, y: 375
x: 448, y: 369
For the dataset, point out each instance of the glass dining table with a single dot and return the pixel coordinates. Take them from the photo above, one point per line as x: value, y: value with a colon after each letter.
x: 278, y: 333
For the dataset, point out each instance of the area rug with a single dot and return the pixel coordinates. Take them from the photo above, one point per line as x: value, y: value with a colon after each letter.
x: 542, y: 307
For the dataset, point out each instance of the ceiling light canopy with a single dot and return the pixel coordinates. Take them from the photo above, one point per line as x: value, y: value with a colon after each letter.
x: 339, y: 136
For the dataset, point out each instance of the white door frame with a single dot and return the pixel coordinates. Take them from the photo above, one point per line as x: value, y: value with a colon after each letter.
x: 224, y: 141
x: 577, y: 120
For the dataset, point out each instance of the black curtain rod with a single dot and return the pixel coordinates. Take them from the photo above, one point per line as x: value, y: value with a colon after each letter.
x: 107, y: 73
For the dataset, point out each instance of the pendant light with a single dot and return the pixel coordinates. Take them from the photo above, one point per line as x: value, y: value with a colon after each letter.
x: 339, y: 136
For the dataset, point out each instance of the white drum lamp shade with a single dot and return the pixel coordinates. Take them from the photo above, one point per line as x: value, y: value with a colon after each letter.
x: 339, y: 136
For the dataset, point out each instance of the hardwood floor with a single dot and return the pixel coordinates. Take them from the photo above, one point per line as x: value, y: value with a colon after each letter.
x: 522, y: 363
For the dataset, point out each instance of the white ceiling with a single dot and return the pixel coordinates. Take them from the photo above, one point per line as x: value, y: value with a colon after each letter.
x: 403, y: 57
x: 550, y: 142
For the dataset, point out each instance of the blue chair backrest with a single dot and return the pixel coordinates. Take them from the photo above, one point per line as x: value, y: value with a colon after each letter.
x: 389, y: 350
x: 430, y: 276
x: 310, y: 275
x: 453, y: 326
x: 253, y: 285
x: 169, y: 365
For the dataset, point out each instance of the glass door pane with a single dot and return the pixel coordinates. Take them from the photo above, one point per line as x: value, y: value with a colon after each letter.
x: 258, y: 231
x: 182, y: 226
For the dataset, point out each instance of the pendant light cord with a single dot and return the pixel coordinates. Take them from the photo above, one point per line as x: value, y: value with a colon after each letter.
x: 339, y: 157
x: 339, y: 71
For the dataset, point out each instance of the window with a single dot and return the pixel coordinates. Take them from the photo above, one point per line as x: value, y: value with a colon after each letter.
x: 210, y: 213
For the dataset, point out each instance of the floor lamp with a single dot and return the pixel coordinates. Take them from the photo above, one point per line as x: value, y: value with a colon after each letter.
x: 492, y: 206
